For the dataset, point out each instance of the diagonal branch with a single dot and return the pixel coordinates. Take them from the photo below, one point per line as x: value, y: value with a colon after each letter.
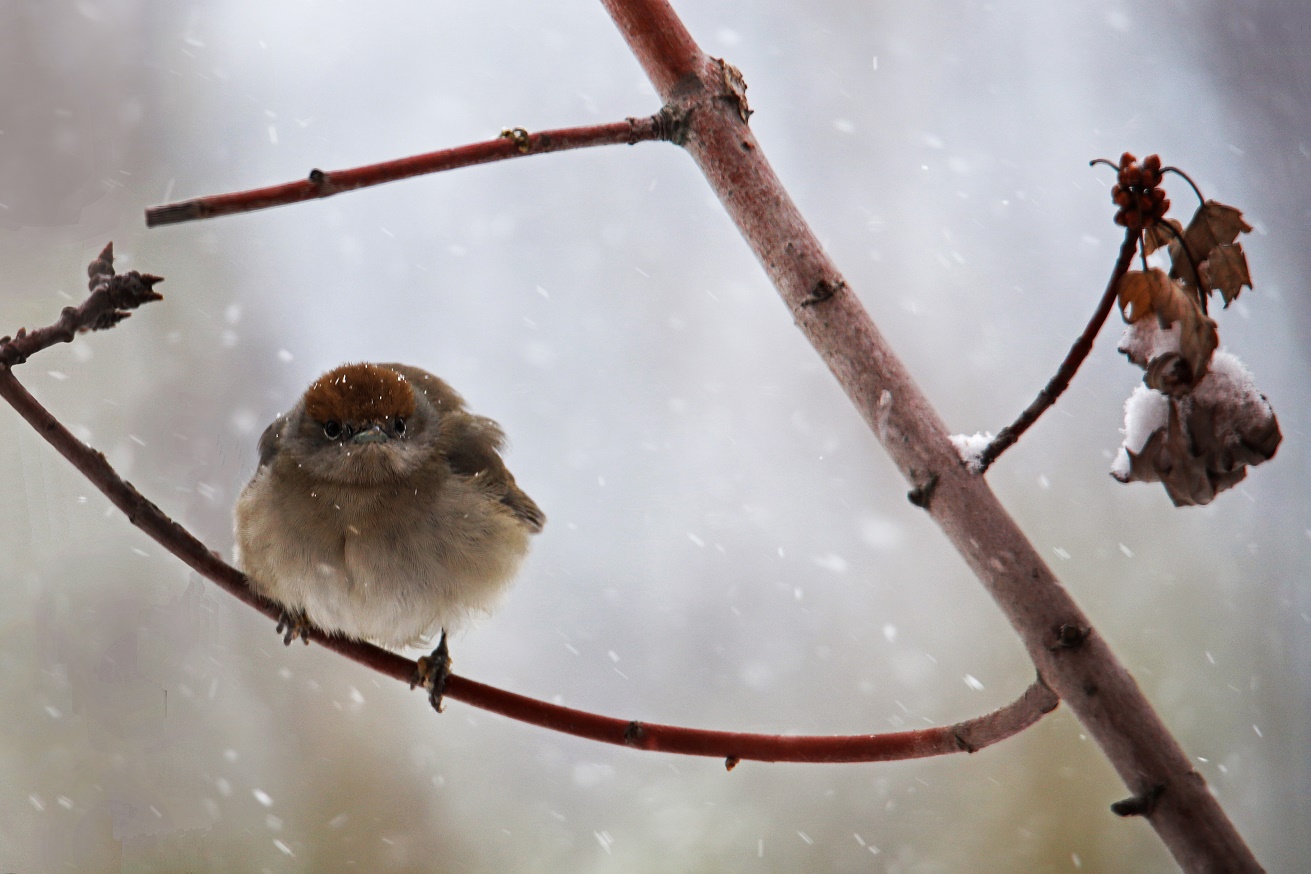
x: 1080, y: 668
x: 512, y: 143
x: 1007, y: 436
x: 111, y: 291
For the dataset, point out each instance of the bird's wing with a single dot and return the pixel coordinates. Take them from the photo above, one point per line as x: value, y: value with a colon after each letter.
x: 269, y: 440
x: 472, y: 444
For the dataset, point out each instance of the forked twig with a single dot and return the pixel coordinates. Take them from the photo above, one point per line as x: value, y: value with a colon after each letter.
x: 112, y: 299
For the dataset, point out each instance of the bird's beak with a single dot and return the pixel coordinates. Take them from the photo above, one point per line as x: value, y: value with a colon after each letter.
x: 372, y: 434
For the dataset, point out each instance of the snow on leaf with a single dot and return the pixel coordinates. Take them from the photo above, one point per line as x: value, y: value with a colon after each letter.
x: 1174, y: 358
x: 1208, y: 439
x: 1145, y: 412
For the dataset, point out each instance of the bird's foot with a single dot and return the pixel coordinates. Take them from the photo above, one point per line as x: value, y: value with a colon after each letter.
x: 432, y: 671
x: 293, y: 624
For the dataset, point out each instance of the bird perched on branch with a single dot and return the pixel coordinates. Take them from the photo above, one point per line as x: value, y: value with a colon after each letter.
x: 382, y: 510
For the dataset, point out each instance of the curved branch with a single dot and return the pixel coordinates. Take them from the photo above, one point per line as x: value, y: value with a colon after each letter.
x: 1086, y: 675
x: 968, y: 736
x: 1201, y: 201
x: 1078, y: 352
x: 512, y: 143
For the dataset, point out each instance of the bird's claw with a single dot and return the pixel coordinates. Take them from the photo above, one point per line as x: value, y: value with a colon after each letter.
x: 293, y: 624
x: 432, y: 671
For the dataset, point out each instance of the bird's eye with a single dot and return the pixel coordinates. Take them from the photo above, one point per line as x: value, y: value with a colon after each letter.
x: 332, y: 429
x: 399, y: 427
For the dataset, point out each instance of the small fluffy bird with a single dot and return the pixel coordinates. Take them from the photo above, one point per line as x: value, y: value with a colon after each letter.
x: 382, y: 510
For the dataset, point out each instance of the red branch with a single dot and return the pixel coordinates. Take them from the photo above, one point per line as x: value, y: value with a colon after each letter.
x: 968, y: 736
x: 512, y: 143
x: 1074, y: 660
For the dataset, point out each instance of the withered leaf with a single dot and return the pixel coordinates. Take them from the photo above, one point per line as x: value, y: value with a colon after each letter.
x: 1214, y: 224
x: 1136, y: 290
x: 1175, y: 359
x: 1223, y: 222
x: 1209, y: 439
x: 1157, y: 236
x: 1226, y: 271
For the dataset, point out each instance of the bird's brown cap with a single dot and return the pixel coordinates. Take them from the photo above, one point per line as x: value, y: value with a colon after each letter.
x: 359, y: 393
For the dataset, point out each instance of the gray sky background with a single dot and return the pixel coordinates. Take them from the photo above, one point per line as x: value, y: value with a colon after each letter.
x: 727, y: 547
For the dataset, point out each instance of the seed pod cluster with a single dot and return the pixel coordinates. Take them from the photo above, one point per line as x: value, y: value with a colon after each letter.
x: 1141, y: 202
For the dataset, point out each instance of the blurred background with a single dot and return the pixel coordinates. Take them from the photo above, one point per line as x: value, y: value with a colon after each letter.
x: 728, y: 547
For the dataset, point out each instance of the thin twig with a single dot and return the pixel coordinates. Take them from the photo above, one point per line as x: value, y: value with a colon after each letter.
x: 1088, y: 677
x: 1007, y: 436
x: 512, y: 143
x: 1202, y: 291
x: 1201, y: 201
x: 968, y: 736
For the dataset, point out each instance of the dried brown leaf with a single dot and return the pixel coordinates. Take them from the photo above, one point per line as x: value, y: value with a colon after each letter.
x: 1137, y: 290
x: 1157, y: 236
x: 1226, y: 271
x: 1174, y: 360
x: 1214, y: 224
x: 1209, y: 439
x: 1143, y: 463
x: 1224, y: 222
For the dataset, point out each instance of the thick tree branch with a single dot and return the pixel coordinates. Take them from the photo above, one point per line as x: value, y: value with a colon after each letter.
x: 1086, y: 675
x: 102, y: 309
x: 512, y: 143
